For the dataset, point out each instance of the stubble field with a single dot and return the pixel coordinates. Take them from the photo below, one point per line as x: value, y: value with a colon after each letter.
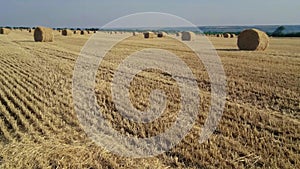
x: 260, y: 127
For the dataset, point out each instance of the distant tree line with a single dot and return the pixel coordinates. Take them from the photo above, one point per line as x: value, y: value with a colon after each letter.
x: 8, y: 27
x: 87, y: 29
x: 23, y: 27
x: 279, y: 32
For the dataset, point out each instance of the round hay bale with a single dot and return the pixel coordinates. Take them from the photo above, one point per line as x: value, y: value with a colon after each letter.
x: 232, y: 35
x: 66, y: 32
x: 135, y: 33
x: 178, y: 34
x: 4, y: 31
x: 29, y: 30
x: 220, y: 35
x: 43, y: 34
x: 83, y: 32
x: 149, y: 35
x: 161, y: 34
x: 226, y: 35
x: 253, y: 39
x: 187, y: 36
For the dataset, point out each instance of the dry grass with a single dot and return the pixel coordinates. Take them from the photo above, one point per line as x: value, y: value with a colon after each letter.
x: 260, y: 127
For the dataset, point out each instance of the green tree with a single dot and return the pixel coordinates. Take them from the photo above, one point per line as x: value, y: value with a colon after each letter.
x: 279, y: 31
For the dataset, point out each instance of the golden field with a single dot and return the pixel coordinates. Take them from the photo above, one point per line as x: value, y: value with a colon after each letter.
x: 260, y: 126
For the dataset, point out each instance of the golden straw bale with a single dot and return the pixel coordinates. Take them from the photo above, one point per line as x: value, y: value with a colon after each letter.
x: 4, y: 31
x: 149, y: 35
x: 67, y: 32
x: 187, y: 36
x: 253, y: 39
x: 43, y: 34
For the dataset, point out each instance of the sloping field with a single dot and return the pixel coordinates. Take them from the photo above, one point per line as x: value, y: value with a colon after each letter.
x: 260, y: 127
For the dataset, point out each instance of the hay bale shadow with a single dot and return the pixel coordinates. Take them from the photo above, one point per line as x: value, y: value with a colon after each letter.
x: 229, y: 50
x: 23, y: 41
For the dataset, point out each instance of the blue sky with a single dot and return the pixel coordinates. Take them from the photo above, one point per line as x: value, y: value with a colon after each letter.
x: 96, y: 13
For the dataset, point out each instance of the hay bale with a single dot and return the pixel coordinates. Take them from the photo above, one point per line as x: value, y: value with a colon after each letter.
x: 178, y: 34
x: 219, y: 35
x: 29, y: 30
x: 161, y: 34
x: 66, y: 32
x: 135, y: 33
x: 89, y: 31
x: 253, y: 39
x: 226, y: 35
x: 4, y: 31
x: 232, y: 35
x: 83, y: 32
x: 43, y: 34
x: 149, y: 35
x: 76, y: 32
x: 187, y: 36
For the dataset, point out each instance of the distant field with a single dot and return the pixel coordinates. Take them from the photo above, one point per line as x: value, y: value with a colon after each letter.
x: 260, y: 127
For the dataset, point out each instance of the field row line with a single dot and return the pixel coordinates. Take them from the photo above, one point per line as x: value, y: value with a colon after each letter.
x: 24, y: 105
x: 60, y: 100
x: 34, y: 105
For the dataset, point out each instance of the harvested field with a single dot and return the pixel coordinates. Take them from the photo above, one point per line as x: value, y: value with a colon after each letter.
x: 260, y: 127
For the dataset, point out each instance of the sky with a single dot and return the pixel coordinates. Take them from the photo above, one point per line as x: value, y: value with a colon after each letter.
x: 96, y: 13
